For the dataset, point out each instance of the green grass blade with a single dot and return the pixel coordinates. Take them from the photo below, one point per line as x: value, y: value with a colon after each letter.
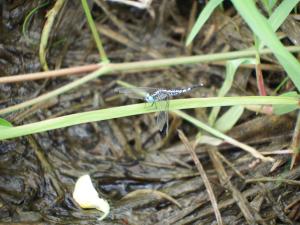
x: 4, y: 123
x: 93, y: 28
x: 283, y: 109
x: 27, y: 20
x: 202, y: 18
x: 260, y: 26
x: 281, y: 13
x: 231, y: 68
x: 222, y: 136
x: 136, y: 109
x: 229, y: 118
x: 269, y: 4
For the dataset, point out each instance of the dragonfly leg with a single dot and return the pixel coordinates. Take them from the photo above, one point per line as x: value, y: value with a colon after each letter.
x: 154, y: 104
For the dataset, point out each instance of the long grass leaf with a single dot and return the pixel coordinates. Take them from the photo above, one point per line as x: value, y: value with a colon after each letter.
x: 231, y: 68
x: 202, y: 18
x: 27, y: 21
x: 4, y: 123
x: 269, y: 4
x: 229, y: 118
x: 136, y: 109
x: 219, y: 134
x: 94, y: 31
x: 283, y: 109
x: 260, y: 26
x: 281, y: 13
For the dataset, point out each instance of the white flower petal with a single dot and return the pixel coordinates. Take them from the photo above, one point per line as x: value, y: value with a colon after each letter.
x: 87, y: 197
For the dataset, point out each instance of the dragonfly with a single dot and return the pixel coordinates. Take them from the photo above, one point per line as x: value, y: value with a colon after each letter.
x: 158, y: 97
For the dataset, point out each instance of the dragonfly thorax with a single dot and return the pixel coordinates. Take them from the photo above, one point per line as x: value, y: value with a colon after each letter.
x: 149, y: 98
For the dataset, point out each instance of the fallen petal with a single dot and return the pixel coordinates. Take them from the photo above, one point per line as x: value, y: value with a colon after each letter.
x: 87, y: 197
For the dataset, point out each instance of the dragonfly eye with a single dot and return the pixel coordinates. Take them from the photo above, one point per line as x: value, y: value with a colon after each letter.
x: 149, y: 98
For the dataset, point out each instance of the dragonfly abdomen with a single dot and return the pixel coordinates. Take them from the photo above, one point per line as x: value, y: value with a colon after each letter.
x: 163, y: 94
x: 174, y: 92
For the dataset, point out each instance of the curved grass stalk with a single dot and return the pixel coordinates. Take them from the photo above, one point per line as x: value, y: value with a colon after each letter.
x: 46, y: 31
x: 27, y: 20
x: 136, y: 109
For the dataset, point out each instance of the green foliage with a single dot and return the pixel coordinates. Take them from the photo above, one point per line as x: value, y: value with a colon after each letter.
x: 280, y: 14
x: 260, y: 26
x: 27, y: 21
x: 229, y: 118
x: 283, y: 109
x: 94, y: 31
x: 231, y: 68
x: 4, y: 123
x: 205, y: 14
x: 263, y: 29
x: 269, y: 4
x: 137, y: 109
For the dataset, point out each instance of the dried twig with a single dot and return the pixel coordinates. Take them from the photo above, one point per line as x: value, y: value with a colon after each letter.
x: 240, y: 200
x: 271, y: 179
x: 143, y: 192
x: 48, y: 74
x: 203, y: 176
x: 296, y: 142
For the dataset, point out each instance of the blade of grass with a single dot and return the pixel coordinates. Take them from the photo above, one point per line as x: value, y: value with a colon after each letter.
x: 219, y: 134
x: 202, y: 18
x: 259, y: 25
x: 136, y: 109
x: 5, y: 123
x: 282, y: 83
x: 229, y: 118
x: 231, y: 68
x: 283, y: 109
x: 268, y: 5
x: 93, y: 28
x: 279, y: 15
x: 276, y: 19
x: 75, y: 70
x: 57, y: 91
x: 140, y: 66
x: 51, y: 15
x: 27, y: 20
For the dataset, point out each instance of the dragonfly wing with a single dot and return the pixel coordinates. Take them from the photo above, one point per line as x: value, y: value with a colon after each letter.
x: 163, y: 116
x: 161, y: 120
x: 130, y: 92
x: 135, y: 92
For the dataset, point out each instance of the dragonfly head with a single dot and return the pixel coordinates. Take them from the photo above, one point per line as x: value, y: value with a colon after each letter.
x: 149, y: 98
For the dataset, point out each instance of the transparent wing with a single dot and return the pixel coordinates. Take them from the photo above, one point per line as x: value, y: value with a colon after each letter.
x: 163, y: 116
x: 162, y: 96
x: 162, y: 119
x: 137, y: 92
